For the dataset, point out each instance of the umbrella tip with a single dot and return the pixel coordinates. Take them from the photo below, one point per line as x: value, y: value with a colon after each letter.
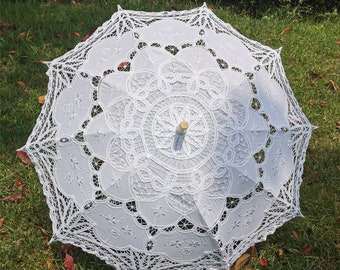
x: 182, y: 127
x: 315, y: 127
x: 119, y: 8
x: 204, y: 5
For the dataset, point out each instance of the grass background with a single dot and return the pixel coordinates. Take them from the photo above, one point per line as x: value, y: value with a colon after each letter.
x: 31, y: 31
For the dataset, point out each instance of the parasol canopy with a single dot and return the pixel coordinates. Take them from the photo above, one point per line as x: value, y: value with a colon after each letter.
x: 169, y: 141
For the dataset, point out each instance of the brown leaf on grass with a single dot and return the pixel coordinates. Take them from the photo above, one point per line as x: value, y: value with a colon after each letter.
x: 86, y: 37
x: 307, y: 250
x: 338, y: 42
x: 7, y: 24
x: 13, y: 198
x: 76, y: 34
x: 337, y: 124
x: 317, y: 75
x: 69, y: 262
x: 338, y: 219
x: 22, y: 85
x: 59, y: 35
x: 12, y: 52
x: 1, y: 222
x: 22, y: 35
x: 295, y: 234
x: 19, y: 183
x: 332, y: 84
x: 1, y: 33
x: 263, y: 262
x: 23, y: 157
x: 285, y: 30
x: 41, y: 99
x: 49, y: 264
x: 241, y: 261
x: 280, y: 253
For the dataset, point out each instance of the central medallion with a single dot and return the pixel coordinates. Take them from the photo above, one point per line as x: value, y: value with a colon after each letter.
x: 159, y: 132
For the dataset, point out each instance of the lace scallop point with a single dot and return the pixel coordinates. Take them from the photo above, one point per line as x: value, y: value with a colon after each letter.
x: 182, y: 127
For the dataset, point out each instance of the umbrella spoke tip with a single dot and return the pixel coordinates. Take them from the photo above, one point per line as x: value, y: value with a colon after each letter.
x: 119, y: 8
x: 53, y: 239
x: 47, y: 63
x: 21, y: 149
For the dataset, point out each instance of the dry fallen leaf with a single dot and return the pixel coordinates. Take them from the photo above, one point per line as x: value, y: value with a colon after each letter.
x: 12, y: 52
x: 49, y: 264
x: 69, y: 262
x: 22, y: 84
x: 317, y: 75
x: 86, y: 37
x: 7, y: 24
x: 295, y: 234
x: 263, y: 262
x: 59, y: 35
x: 13, y: 198
x: 1, y: 222
x: 332, y: 83
x: 307, y: 250
x: 19, y: 183
x: 23, y: 157
x: 41, y: 99
x: 280, y: 253
x: 241, y: 261
x: 22, y: 34
x: 337, y: 124
x: 76, y: 34
x: 285, y: 30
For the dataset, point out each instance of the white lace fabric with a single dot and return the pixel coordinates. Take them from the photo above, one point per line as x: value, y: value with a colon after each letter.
x: 121, y: 183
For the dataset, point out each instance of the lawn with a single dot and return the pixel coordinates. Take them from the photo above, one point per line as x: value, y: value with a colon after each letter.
x: 36, y: 31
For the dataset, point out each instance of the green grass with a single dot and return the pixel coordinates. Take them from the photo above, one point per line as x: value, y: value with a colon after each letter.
x: 311, y: 58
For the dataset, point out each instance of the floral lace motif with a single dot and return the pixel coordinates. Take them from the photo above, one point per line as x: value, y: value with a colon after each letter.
x: 123, y: 184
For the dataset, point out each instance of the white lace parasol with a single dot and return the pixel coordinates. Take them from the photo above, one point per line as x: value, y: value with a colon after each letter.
x: 169, y: 141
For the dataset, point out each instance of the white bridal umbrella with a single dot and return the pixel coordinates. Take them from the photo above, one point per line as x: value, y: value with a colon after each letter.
x: 169, y: 141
